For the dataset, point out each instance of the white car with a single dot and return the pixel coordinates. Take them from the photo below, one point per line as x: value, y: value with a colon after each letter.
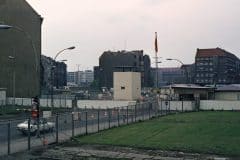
x: 44, y: 126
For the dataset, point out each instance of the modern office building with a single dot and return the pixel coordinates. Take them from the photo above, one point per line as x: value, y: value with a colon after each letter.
x: 216, y: 66
x: 80, y: 78
x: 122, y: 61
x: 71, y: 77
x: 20, y: 49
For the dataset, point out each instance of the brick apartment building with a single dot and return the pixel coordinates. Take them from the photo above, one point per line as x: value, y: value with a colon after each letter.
x: 216, y: 66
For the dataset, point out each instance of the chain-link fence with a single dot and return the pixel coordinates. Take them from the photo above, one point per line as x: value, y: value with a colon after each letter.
x: 25, y: 133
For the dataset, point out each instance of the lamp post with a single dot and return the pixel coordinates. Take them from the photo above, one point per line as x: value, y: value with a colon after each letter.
x: 185, y: 69
x: 52, y: 69
x: 6, y: 27
x: 14, y: 77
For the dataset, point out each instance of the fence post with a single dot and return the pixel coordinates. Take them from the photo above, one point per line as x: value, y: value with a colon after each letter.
x: 29, y: 138
x: 72, y: 124
x: 182, y: 106
x: 57, y: 128
x: 109, y: 121
x: 149, y: 110
x: 60, y: 101
x: 9, y: 137
x: 65, y: 101
x: 127, y: 115
x: 47, y: 100
x: 118, y: 116
x: 169, y: 105
x: 98, y: 118
x: 135, y: 112
x: 161, y: 107
x: 86, y: 122
x: 131, y: 113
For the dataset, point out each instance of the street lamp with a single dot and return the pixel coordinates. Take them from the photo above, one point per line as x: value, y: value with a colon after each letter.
x: 14, y: 77
x: 52, y: 68
x: 185, y: 69
x: 3, y: 26
x: 171, y: 59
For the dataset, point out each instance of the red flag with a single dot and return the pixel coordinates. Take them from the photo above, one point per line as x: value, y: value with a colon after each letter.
x: 156, y: 43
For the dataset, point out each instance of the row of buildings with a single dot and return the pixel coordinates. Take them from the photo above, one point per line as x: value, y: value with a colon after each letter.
x: 24, y: 72
x: 211, y: 67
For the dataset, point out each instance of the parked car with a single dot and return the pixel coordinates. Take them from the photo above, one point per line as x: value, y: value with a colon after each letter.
x: 44, y: 126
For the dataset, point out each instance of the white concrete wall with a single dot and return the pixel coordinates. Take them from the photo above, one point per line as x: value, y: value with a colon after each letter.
x: 177, y: 105
x: 103, y: 104
x: 2, y: 97
x: 219, y: 105
x: 174, y: 105
x: 127, y: 85
x: 68, y: 103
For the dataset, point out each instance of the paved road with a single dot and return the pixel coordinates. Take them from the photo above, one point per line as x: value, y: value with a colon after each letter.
x: 19, y: 142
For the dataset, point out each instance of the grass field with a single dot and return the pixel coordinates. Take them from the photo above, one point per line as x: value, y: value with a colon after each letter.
x: 203, y: 132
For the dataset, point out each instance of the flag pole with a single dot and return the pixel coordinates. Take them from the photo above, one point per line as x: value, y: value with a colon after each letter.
x: 156, y: 60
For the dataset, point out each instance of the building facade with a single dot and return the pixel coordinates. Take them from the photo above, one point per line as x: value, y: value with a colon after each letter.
x: 80, y: 78
x: 127, y: 85
x: 20, y: 49
x: 59, y: 70
x: 122, y: 61
x: 169, y: 75
x: 216, y: 66
x: 71, y: 78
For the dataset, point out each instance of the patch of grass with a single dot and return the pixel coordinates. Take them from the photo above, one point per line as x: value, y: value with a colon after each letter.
x: 204, y: 132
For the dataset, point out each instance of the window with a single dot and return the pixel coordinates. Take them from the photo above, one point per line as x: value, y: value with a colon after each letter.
x: 122, y: 87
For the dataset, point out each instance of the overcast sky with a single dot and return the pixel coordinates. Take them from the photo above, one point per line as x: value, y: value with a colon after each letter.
x: 94, y: 26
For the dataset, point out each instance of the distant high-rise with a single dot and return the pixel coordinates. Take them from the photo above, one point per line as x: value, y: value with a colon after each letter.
x: 80, y: 78
x: 135, y: 61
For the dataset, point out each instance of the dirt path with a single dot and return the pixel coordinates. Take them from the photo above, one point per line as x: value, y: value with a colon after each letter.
x: 100, y: 152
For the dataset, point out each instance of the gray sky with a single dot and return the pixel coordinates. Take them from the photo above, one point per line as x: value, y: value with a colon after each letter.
x: 94, y: 26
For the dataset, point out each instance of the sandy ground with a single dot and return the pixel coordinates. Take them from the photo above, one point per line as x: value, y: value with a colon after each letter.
x: 71, y: 151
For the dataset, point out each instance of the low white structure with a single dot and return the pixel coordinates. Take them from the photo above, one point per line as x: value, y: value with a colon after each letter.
x: 228, y: 92
x: 127, y: 85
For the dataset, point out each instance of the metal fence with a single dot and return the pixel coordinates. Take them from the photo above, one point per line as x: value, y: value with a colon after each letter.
x: 78, y: 122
